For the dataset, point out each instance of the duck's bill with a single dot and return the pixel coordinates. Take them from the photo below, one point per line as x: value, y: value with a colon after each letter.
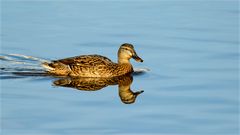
x: 137, y: 58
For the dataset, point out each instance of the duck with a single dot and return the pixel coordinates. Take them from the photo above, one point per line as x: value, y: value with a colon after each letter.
x: 124, y: 82
x: 94, y: 65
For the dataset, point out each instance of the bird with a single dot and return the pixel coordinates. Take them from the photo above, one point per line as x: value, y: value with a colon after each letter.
x: 124, y: 82
x: 94, y: 65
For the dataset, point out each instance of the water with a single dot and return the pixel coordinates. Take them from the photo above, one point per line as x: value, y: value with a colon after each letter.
x: 190, y: 47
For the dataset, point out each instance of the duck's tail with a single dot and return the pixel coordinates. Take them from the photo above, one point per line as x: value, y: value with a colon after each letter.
x: 56, y: 68
x: 47, y: 66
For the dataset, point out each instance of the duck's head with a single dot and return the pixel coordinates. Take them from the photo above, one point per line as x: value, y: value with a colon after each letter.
x: 126, y: 52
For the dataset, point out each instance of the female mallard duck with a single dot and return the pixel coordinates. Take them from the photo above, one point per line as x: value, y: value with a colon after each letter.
x: 124, y: 82
x: 94, y: 65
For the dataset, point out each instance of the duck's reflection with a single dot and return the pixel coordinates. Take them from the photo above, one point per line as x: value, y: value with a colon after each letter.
x: 126, y: 95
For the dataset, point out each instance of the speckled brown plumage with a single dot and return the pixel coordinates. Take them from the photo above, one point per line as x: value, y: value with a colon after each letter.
x: 124, y: 82
x: 94, y: 65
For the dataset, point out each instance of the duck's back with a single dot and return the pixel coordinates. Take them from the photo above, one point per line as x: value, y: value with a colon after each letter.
x: 84, y: 65
x: 86, y: 60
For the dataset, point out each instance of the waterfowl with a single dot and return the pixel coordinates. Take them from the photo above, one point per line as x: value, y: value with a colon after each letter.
x: 94, y: 65
x: 124, y: 82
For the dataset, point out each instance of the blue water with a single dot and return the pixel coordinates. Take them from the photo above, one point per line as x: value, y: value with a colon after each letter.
x: 190, y: 47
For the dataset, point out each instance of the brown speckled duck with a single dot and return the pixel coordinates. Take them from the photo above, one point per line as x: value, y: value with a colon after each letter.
x: 124, y: 82
x: 94, y: 65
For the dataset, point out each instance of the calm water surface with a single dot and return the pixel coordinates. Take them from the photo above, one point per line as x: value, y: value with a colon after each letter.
x: 190, y: 47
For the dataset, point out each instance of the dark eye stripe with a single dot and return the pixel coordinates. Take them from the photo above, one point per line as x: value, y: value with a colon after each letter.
x: 128, y: 50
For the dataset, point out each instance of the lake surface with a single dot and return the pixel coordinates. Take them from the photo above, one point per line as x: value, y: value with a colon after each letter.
x: 190, y: 47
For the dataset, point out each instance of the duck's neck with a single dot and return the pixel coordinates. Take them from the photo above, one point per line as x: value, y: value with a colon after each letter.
x: 124, y: 66
x: 123, y: 61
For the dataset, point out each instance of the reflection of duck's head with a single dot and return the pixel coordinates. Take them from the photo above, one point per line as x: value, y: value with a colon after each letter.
x: 92, y: 84
x: 129, y: 97
x: 125, y: 93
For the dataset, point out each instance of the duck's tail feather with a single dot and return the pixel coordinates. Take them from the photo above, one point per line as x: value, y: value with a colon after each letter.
x: 56, y: 68
x: 47, y: 66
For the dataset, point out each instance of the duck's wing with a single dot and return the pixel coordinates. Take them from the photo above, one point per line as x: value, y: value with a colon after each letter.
x: 84, y: 65
x: 86, y: 60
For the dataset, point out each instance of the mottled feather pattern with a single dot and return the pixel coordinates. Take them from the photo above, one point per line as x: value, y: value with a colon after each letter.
x: 86, y: 83
x: 96, y: 83
x: 93, y: 65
